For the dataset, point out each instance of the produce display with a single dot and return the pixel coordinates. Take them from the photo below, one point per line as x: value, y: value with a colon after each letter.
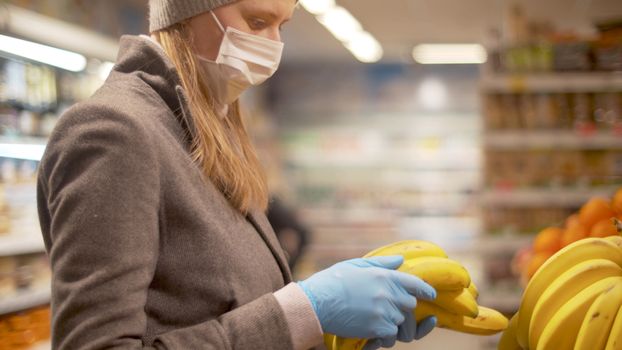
x: 23, y: 329
x: 573, y: 294
x: 594, y: 219
x: 455, y: 307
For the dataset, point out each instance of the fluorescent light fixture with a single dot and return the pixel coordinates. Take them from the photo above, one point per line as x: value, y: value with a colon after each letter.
x: 22, y: 151
x: 105, y: 69
x: 52, y: 56
x: 340, y: 23
x: 365, y: 48
x: 450, y: 54
x: 318, y: 7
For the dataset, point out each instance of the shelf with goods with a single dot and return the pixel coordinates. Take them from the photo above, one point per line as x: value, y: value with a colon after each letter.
x: 551, y: 82
x: 32, y: 97
x: 358, y: 186
x: 552, y: 111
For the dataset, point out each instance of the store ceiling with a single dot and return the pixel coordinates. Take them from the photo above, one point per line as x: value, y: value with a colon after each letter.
x: 401, y: 24
x: 397, y: 24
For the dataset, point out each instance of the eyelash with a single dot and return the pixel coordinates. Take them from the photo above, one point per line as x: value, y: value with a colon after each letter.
x: 257, y: 24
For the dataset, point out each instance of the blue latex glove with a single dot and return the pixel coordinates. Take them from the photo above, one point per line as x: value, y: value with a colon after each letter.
x: 367, y: 298
x: 408, y: 331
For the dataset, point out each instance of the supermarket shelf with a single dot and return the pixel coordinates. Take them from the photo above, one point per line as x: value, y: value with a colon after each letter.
x: 26, y: 148
x: 536, y: 197
x: 25, y: 300
x: 21, y: 244
x: 552, y: 82
x: 517, y: 140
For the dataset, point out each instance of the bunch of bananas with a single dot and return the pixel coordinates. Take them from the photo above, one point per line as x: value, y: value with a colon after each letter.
x: 574, y: 301
x: 456, y: 305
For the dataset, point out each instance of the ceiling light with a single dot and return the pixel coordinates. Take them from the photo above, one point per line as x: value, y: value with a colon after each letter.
x: 318, y: 7
x: 340, y: 23
x: 450, y: 54
x: 365, y: 48
x: 22, y: 151
x: 52, y: 56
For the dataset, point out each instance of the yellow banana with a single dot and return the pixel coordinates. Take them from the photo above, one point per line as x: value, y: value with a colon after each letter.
x: 586, y: 249
x: 441, y: 273
x: 349, y: 343
x: 460, y: 302
x: 617, y: 240
x: 598, y: 321
x: 564, y: 288
x: 561, y: 331
x: 328, y: 341
x: 508, y: 338
x: 487, y: 322
x: 473, y: 290
x: 615, y: 337
x: 409, y: 249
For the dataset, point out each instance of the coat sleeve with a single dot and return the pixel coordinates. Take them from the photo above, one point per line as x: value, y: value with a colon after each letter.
x: 99, y: 199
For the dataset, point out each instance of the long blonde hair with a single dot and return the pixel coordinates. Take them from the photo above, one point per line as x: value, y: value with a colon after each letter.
x: 221, y: 146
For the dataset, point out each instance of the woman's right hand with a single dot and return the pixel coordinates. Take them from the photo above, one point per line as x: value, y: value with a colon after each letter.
x: 368, y: 299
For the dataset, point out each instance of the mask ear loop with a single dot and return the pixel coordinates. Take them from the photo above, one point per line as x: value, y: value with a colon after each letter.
x: 217, y: 21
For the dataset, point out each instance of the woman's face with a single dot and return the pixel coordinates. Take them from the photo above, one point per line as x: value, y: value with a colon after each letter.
x: 260, y: 17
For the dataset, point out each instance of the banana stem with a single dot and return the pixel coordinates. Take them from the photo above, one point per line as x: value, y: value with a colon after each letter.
x: 618, y: 224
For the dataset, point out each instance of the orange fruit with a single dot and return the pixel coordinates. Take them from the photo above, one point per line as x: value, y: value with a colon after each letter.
x: 572, y: 221
x: 616, y: 202
x: 536, y: 261
x: 595, y: 210
x: 548, y: 240
x: 573, y: 234
x: 604, y: 228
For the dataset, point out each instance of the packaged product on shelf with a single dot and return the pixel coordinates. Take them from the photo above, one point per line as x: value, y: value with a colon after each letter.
x: 596, y: 169
x: 541, y: 164
x: 572, y: 56
x: 527, y: 112
x: 28, y: 123
x: 546, y: 112
x: 614, y: 167
x: 607, y: 110
x: 493, y: 113
x: 563, y: 107
x: 9, y: 121
x: 48, y: 122
x: 608, y: 49
x: 33, y: 271
x: 511, y: 111
x: 567, y: 167
x: 8, y: 265
x: 582, y: 107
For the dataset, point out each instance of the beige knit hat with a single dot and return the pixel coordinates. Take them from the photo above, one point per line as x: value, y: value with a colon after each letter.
x: 164, y: 13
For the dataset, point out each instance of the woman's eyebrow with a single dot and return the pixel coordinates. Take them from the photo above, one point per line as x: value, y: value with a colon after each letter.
x: 268, y: 13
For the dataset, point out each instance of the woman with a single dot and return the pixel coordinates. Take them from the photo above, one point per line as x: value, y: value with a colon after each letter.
x: 151, y: 202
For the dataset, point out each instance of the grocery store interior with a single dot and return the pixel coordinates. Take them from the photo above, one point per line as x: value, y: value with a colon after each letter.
x: 471, y: 124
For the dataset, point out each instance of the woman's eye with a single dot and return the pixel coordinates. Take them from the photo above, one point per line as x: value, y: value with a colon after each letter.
x: 257, y: 23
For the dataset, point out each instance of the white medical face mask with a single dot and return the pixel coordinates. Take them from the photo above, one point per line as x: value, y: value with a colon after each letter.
x: 243, y: 60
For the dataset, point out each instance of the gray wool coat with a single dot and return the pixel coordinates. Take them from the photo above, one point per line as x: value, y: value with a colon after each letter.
x: 145, y: 252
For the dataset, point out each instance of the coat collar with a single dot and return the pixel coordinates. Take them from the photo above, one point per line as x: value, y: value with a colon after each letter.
x: 140, y: 55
